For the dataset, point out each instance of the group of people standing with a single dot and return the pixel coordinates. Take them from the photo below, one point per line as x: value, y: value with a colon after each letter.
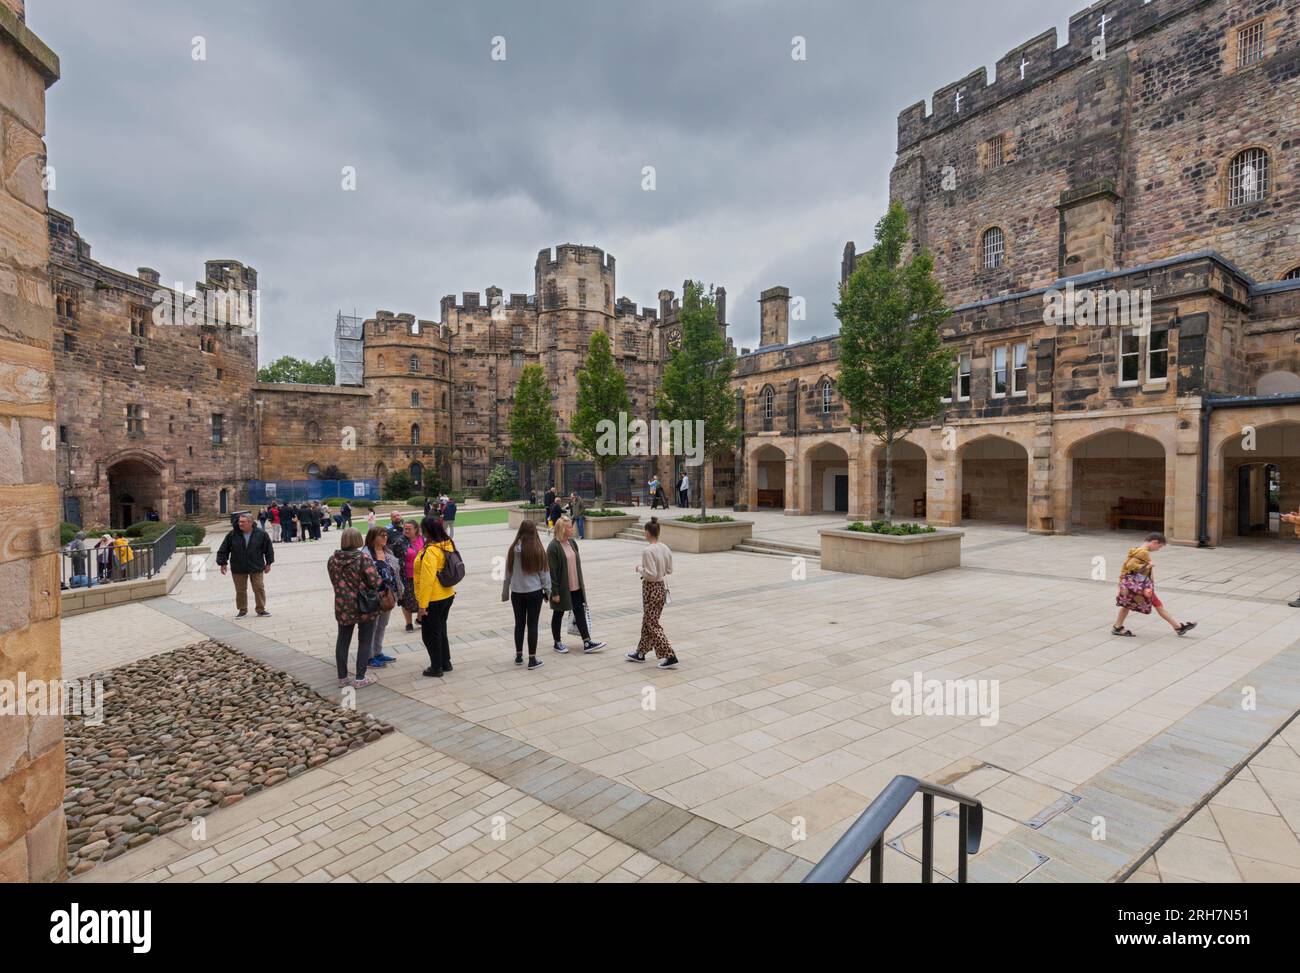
x: 683, y: 490
x: 298, y: 521
x: 112, y: 559
x: 572, y: 506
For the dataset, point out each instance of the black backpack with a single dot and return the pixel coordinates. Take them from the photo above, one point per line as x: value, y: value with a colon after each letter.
x: 453, y: 568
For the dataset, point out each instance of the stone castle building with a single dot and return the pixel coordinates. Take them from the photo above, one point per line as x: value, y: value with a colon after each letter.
x: 1151, y: 155
x: 1154, y: 154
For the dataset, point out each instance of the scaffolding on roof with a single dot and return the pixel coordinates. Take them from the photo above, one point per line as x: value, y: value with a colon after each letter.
x: 349, y: 350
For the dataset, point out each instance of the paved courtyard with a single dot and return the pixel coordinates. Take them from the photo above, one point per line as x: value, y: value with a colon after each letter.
x: 751, y: 759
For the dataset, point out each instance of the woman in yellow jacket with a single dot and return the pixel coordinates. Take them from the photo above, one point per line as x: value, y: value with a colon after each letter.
x: 124, y: 556
x: 432, y: 597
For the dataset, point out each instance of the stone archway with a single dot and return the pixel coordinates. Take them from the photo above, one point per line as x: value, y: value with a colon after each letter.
x: 1108, y: 472
x: 826, y: 479
x: 1257, y: 468
x: 135, y: 486
x: 767, y: 478
x: 993, y: 475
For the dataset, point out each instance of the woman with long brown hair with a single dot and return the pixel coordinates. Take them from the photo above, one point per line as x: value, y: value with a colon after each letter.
x: 526, y: 586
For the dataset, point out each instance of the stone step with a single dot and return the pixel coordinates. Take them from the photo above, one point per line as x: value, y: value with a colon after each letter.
x: 758, y: 545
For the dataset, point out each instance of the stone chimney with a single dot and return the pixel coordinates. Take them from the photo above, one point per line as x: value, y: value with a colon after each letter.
x: 1089, y: 217
x: 148, y: 275
x: 665, y: 304
x: 775, y: 317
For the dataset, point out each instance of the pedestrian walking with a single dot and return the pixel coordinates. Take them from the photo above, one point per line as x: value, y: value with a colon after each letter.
x: 526, y: 586
x: 261, y: 518
x: 390, y: 573
x: 273, y: 522
x: 568, y: 592
x: 346, y: 511
x: 554, y: 513
x: 653, y: 487
x: 249, y: 554
x: 684, y: 490
x: 434, y: 595
x: 1137, y: 589
x: 357, y: 587
x: 449, y: 516
x: 578, y: 514
x: 656, y: 564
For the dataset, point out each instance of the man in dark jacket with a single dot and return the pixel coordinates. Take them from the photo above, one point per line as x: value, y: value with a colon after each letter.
x: 449, y: 517
x: 346, y: 511
x: 248, y: 552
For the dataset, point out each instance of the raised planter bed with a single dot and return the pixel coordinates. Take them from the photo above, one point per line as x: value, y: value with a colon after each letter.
x: 890, y: 556
x: 517, y: 515
x: 704, y: 538
x: 602, y: 528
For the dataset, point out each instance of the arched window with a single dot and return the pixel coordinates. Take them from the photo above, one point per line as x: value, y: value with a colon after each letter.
x: 769, y: 402
x: 994, y: 246
x: 417, y: 475
x: 1248, y: 177
x: 1292, y: 274
x: 224, y: 501
x: 415, y: 434
x: 313, y: 470
x: 381, y: 361
x: 826, y: 396
x: 379, y: 432
x: 381, y: 473
x: 313, y: 432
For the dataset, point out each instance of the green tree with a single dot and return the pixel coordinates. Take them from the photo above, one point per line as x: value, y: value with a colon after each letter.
x: 893, y: 366
x: 602, y: 395
x: 534, y: 436
x: 502, y: 484
x: 297, y: 371
x: 398, y: 486
x: 696, y: 384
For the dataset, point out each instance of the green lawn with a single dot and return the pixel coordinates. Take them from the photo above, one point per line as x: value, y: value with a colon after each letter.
x: 472, y: 518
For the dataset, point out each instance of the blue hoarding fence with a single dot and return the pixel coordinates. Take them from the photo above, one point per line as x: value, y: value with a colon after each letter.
x: 262, y: 492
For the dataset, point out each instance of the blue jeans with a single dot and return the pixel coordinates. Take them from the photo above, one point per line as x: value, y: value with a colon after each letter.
x: 581, y: 524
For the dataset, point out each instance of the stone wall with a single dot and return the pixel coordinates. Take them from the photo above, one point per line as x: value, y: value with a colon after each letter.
x: 139, y: 389
x: 32, y: 829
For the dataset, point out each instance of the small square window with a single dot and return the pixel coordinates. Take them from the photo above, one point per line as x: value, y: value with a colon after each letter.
x: 1020, y: 369
x: 1130, y: 357
x: 963, y: 377
x: 1158, y: 356
x: 1000, y: 371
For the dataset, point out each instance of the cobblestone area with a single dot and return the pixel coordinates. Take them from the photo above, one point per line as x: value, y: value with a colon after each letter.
x: 185, y: 732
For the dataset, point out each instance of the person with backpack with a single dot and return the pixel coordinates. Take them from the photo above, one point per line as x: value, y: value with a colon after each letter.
x: 357, y: 587
x: 390, y: 573
x: 526, y: 584
x: 568, y: 593
x: 438, y: 568
x: 346, y: 511
x: 1137, y: 588
x: 449, y: 516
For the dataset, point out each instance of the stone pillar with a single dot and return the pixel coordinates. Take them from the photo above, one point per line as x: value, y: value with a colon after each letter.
x: 1042, y: 520
x: 33, y: 839
x: 870, y: 479
x: 1181, y: 526
x: 943, y: 479
x: 791, y: 484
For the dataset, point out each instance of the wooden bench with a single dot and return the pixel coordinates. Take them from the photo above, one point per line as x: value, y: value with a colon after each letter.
x: 774, y: 499
x: 918, y: 507
x: 1137, y: 510
x: 627, y: 499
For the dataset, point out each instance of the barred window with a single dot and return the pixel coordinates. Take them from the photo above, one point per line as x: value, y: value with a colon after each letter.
x: 1248, y: 177
x: 1250, y: 44
x: 414, y: 364
x: 1292, y: 274
x: 994, y: 152
x: 994, y: 247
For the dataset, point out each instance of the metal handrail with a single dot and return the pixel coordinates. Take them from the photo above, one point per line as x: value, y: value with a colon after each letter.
x: 148, y: 558
x: 867, y: 833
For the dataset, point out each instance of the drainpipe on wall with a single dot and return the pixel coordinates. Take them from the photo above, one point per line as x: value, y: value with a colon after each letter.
x: 1209, y: 404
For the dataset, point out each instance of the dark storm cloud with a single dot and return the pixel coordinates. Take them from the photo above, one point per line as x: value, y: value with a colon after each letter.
x: 466, y: 166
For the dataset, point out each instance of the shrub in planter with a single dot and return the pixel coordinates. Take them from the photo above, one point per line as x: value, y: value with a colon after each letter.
x: 884, y: 527
x: 710, y: 519
x: 605, y: 512
x: 355, y: 502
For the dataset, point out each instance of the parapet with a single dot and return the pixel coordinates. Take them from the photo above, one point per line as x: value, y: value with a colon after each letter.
x: 1035, y: 61
x: 568, y: 254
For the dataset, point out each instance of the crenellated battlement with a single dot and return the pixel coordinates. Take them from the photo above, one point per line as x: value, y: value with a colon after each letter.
x: 1039, y: 60
x: 570, y: 254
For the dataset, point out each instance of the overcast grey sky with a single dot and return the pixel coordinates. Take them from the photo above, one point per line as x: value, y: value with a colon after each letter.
x: 467, y: 166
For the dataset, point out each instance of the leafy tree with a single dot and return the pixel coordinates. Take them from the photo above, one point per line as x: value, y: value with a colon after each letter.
x: 297, y: 371
x: 534, y: 436
x: 332, y: 472
x: 398, y: 486
x: 602, y: 395
x: 502, y: 484
x: 696, y: 384
x: 893, y: 367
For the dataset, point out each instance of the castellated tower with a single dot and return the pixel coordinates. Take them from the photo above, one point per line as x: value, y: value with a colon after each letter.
x: 575, y: 298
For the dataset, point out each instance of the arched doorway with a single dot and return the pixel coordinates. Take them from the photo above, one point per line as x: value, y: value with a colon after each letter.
x: 417, y: 476
x: 223, y: 500
x: 768, y: 477
x: 1261, y: 481
x: 994, y: 484
x: 909, y: 462
x: 191, y: 503
x: 1117, y: 482
x: 134, y: 487
x: 826, y: 468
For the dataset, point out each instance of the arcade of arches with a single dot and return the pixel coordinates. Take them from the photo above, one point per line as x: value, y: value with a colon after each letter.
x: 1085, y: 473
